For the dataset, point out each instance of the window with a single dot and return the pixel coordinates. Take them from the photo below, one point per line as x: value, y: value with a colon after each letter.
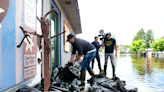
x: 53, y: 41
x: 66, y: 44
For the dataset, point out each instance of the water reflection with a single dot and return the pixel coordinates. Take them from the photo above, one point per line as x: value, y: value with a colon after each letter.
x: 145, y: 73
x: 149, y: 72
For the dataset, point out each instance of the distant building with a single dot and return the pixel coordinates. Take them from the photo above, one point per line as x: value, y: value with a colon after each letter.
x: 149, y: 50
x: 121, y: 48
x: 128, y: 49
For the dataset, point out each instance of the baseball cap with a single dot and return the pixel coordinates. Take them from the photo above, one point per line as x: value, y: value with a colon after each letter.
x: 69, y: 37
x: 108, y: 33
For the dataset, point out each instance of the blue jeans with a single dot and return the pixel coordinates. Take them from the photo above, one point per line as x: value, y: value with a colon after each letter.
x: 97, y: 56
x: 86, y: 61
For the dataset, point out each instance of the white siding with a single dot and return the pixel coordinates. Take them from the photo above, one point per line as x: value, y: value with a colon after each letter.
x: 37, y: 78
x: 65, y: 57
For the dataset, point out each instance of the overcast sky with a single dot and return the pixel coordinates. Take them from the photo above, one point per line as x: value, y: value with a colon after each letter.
x: 123, y: 18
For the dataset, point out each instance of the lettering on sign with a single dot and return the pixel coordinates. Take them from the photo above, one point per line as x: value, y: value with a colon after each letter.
x: 29, y: 60
x: 30, y: 13
x: 29, y: 72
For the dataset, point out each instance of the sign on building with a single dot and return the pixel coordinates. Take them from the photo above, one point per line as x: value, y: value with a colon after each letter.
x: 30, y: 13
x: 29, y: 49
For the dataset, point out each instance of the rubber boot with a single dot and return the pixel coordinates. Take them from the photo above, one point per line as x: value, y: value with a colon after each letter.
x: 91, y: 73
x: 92, y: 65
x: 82, y: 78
x: 114, y: 75
x: 104, y: 72
x: 99, y: 65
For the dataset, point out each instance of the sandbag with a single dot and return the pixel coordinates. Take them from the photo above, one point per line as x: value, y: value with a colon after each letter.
x: 27, y: 89
x: 98, y: 79
x: 102, y: 84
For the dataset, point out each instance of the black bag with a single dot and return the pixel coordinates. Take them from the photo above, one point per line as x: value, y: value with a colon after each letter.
x: 66, y: 75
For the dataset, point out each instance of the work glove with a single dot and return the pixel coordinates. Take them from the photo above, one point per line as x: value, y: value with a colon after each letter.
x: 69, y: 64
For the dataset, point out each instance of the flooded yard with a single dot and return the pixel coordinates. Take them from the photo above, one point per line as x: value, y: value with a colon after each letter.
x: 145, y: 73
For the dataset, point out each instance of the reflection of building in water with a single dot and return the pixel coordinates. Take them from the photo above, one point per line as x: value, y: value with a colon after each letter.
x: 149, y: 65
x: 149, y: 59
x: 142, y: 66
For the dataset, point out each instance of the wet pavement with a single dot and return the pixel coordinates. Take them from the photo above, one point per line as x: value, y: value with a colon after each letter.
x: 145, y: 73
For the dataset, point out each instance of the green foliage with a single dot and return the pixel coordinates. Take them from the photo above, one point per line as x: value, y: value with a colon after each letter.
x: 140, y: 35
x: 158, y: 44
x: 125, y: 46
x: 149, y: 36
x: 121, y: 51
x: 141, y: 50
x: 136, y: 45
x: 143, y: 45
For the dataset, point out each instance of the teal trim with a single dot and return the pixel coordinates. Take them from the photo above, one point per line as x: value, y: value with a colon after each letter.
x: 58, y: 51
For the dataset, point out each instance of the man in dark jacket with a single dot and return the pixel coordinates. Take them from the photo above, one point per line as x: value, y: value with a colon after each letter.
x: 84, y: 48
x: 97, y: 45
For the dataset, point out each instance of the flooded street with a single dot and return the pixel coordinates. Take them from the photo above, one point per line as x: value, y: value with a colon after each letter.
x: 145, y: 73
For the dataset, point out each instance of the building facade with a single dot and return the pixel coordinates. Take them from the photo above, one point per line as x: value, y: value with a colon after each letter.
x: 25, y: 65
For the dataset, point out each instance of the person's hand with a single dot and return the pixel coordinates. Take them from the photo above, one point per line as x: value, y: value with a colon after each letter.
x: 116, y: 55
x: 73, y: 62
x: 100, y: 45
x: 69, y: 64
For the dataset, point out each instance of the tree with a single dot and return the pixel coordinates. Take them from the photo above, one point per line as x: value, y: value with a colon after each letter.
x: 158, y: 44
x: 149, y: 36
x: 141, y: 50
x: 136, y: 45
x: 140, y: 35
x: 126, y: 46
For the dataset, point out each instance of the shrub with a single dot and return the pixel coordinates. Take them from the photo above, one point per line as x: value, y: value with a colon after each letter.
x: 141, y: 50
x: 121, y: 51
